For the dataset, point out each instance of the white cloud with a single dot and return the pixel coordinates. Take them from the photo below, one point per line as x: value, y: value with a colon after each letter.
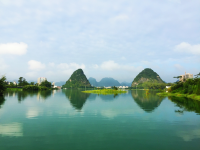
x: 11, y: 2
x: 51, y: 64
x: 35, y: 65
x: 68, y: 69
x: 121, y: 17
x: 111, y: 65
x: 31, y: 74
x: 123, y: 58
x: 185, y: 47
x: 13, y: 48
x: 175, y: 1
x: 179, y: 67
x: 95, y: 66
x: 3, y: 65
x: 70, y: 66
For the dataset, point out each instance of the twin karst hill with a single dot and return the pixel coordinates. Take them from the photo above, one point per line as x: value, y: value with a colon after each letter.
x: 147, y: 75
x: 77, y: 80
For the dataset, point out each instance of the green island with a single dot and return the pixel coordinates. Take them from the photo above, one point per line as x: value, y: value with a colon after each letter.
x: 105, y: 91
x: 189, y: 89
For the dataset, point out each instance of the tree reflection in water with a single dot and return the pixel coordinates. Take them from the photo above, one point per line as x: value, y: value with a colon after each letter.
x: 76, y: 98
x: 2, y: 100
x: 22, y: 95
x: 186, y: 104
x: 148, y: 102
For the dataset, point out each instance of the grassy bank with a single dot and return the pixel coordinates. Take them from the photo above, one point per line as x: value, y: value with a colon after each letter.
x: 14, y: 89
x: 105, y: 91
x: 191, y: 96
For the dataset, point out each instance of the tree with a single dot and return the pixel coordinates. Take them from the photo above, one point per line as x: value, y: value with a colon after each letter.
x: 2, y: 85
x: 32, y: 83
x: 46, y: 84
x: 20, y: 81
x: 24, y: 82
x: 197, y: 75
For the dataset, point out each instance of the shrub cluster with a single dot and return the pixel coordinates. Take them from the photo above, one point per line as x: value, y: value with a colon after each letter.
x: 34, y: 88
x: 190, y: 86
x: 2, y: 85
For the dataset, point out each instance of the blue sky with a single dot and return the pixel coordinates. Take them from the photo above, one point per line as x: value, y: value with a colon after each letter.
x: 106, y: 38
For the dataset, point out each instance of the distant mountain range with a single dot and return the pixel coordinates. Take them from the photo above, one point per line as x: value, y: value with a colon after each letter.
x: 107, y: 82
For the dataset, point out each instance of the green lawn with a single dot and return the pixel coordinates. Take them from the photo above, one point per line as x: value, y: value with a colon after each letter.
x: 105, y: 91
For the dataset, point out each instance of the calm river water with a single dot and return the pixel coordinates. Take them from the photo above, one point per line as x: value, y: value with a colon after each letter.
x: 70, y: 119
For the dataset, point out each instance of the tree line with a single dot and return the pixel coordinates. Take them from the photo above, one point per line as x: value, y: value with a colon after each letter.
x: 22, y: 83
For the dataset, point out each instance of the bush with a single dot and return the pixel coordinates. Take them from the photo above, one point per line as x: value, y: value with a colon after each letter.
x: 2, y: 85
x: 43, y: 88
x: 30, y: 88
x: 169, y: 89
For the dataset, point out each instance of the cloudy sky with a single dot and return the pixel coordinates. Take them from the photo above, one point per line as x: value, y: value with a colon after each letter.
x: 106, y: 38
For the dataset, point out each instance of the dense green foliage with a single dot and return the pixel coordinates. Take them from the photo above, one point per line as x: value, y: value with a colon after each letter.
x: 34, y: 88
x: 22, y: 82
x: 152, y: 85
x: 190, y: 86
x: 46, y: 84
x: 147, y: 75
x: 2, y: 85
x: 77, y: 80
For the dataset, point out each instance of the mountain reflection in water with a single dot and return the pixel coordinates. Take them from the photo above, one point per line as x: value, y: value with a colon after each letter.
x: 76, y: 98
x: 148, y: 102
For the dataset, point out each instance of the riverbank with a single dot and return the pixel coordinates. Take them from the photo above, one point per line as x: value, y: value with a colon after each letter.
x: 105, y: 91
x: 14, y: 89
x: 191, y: 96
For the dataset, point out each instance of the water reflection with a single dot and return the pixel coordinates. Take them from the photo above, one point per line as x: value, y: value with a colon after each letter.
x: 12, y: 129
x: 22, y: 95
x: 186, y: 104
x: 76, y: 98
x: 148, y: 102
x: 2, y: 100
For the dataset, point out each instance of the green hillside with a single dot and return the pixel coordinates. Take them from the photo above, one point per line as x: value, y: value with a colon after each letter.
x: 77, y: 80
x: 147, y: 75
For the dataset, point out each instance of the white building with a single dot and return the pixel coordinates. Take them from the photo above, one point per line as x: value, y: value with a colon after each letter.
x: 123, y: 87
x: 41, y: 79
x: 185, y: 77
x: 109, y: 87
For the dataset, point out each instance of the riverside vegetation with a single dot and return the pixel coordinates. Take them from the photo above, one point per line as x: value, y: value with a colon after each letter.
x: 106, y: 91
x: 189, y: 88
x: 23, y: 85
